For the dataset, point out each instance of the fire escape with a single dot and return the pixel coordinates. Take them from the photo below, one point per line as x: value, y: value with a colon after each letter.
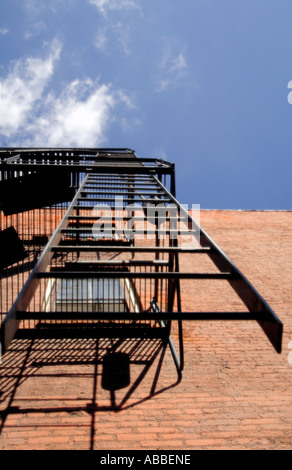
x: 78, y: 260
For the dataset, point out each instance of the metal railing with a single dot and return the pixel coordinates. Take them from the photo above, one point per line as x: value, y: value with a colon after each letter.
x: 110, y: 254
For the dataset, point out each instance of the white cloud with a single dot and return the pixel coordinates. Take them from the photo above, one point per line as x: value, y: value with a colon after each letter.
x: 78, y: 117
x: 172, y: 68
x: 35, y: 29
x: 123, y: 36
x: 178, y: 64
x: 38, y: 7
x: 127, y: 99
x: 159, y: 152
x: 23, y: 87
x: 114, y: 35
x: 104, y: 6
x: 33, y: 6
x: 4, y: 31
x: 101, y: 40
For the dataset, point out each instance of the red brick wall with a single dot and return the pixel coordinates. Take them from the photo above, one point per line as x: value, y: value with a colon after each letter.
x: 235, y: 392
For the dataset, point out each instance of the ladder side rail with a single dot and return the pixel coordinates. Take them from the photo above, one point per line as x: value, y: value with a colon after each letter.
x: 271, y: 325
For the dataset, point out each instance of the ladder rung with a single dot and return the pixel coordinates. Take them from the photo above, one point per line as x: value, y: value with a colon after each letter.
x: 89, y: 226
x: 117, y: 177
x: 92, y: 207
x: 185, y: 316
x: 119, y: 181
x: 127, y: 262
x: 98, y: 244
x: 122, y: 189
x: 95, y: 218
x: 134, y: 249
x: 124, y: 217
x: 126, y: 191
x: 109, y: 264
x: 96, y: 265
x: 121, y: 184
x: 125, y: 199
x: 136, y: 208
x: 133, y: 275
x: 134, y: 231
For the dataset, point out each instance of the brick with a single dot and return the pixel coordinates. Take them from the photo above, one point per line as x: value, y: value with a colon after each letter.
x: 235, y: 391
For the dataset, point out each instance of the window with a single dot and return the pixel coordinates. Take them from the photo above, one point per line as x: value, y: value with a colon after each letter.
x: 90, y: 295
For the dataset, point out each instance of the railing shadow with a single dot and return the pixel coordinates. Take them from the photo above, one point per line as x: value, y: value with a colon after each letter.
x: 122, y: 373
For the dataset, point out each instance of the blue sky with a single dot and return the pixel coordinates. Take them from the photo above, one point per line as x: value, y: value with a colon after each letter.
x: 202, y: 83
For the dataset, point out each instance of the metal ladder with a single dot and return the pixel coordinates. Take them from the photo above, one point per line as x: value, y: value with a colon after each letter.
x: 114, y: 180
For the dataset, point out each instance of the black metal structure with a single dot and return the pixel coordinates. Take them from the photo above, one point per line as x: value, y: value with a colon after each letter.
x: 75, y: 259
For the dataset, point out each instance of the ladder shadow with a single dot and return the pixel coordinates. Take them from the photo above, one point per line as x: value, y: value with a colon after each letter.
x: 122, y: 373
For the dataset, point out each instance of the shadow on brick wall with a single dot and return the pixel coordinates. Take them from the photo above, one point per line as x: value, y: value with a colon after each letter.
x: 57, y: 378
